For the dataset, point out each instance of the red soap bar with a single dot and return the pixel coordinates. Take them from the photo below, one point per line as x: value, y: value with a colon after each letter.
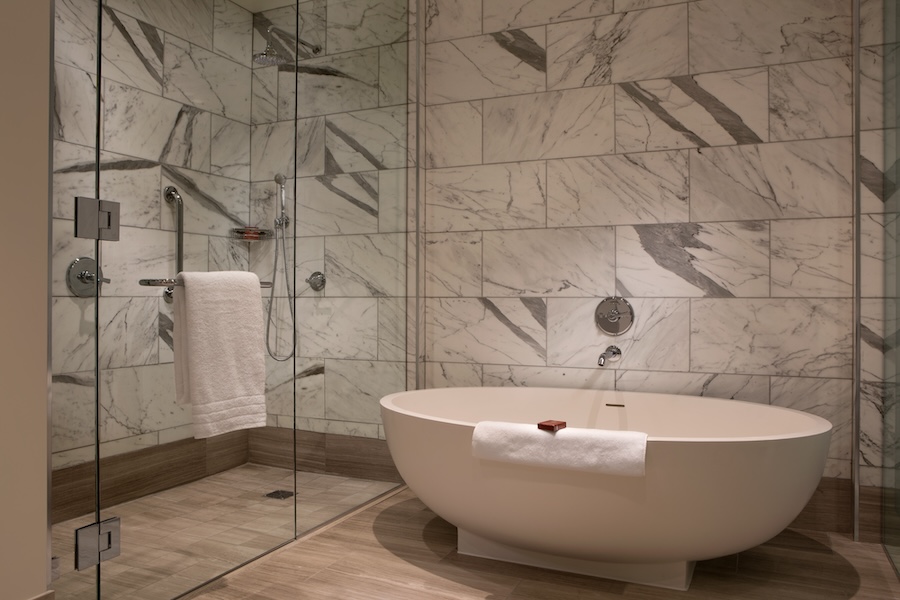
x: 551, y: 425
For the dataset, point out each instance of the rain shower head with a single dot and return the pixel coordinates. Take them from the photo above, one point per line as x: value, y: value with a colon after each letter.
x: 270, y: 56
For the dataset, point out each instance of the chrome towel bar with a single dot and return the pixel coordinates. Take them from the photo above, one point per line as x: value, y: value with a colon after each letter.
x: 172, y: 282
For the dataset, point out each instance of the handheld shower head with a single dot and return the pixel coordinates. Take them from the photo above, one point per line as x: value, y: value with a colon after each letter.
x: 283, y: 220
x: 280, y: 179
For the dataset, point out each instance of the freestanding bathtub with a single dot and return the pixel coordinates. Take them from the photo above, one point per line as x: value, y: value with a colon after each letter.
x: 721, y: 476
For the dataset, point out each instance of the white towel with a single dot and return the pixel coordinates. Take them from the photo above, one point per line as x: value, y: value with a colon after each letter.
x: 596, y: 450
x: 220, y: 365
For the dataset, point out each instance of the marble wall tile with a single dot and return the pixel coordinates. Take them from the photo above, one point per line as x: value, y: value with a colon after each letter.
x: 826, y: 398
x: 685, y: 112
x: 264, y: 100
x: 772, y: 181
x: 354, y: 24
x: 714, y: 260
x: 452, y: 19
x: 878, y: 444
x: 366, y: 265
x: 453, y: 132
x: 166, y: 320
x: 365, y: 430
x: 645, y: 44
x: 337, y: 84
x: 144, y: 125
x: 549, y: 125
x: 393, y: 211
x: 616, y: 190
x: 873, y: 331
x: 510, y: 258
x: 749, y: 388
x: 366, y: 140
x: 353, y: 388
x: 812, y: 258
x: 811, y: 99
x: 139, y: 400
x: 75, y: 105
x: 73, y: 334
x: 150, y: 253
x: 729, y: 34
x: 392, y: 326
x: 212, y: 205
x: 871, y: 28
x: 228, y: 255
x: 233, y: 31
x: 271, y: 150
x: 188, y: 19
x: 488, y: 66
x: 72, y: 411
x: 393, y: 79
x: 876, y: 188
x: 509, y: 14
x: 494, y: 330
x: 338, y: 204
x: 626, y: 5
x: 129, y: 332
x: 505, y: 196
x: 65, y: 248
x: 453, y: 264
x: 799, y: 337
x: 132, y: 52
x: 310, y: 258
x: 874, y: 104
x: 518, y: 376
x: 338, y: 327
x: 658, y: 340
x: 75, y: 34
x: 445, y: 374
x: 205, y: 80
x: 878, y: 242
x: 229, y: 148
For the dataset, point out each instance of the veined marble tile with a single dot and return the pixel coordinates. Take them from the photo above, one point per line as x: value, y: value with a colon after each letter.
x: 873, y: 331
x: 75, y: 106
x: 714, y: 260
x: 364, y: 430
x: 72, y: 411
x: 453, y: 132
x: 772, y: 181
x: 392, y: 325
x: 811, y: 99
x: 338, y: 204
x: 878, y: 242
x: 487, y: 330
x: 75, y: 34
x: 511, y: 14
x: 550, y: 262
x: 210, y: 82
x: 310, y: 258
x: 166, y: 320
x: 212, y: 205
x: 517, y: 376
x: 487, y: 66
x: 453, y: 264
x: 658, y: 340
x: 549, y: 125
x: 830, y: 399
x: 871, y: 29
x: 264, y: 101
x: 233, y: 31
x: 139, y: 400
x: 366, y: 140
x: 228, y: 255
x: 353, y: 388
x: 136, y: 123
x: 626, y: 5
x: 693, y: 111
x: 392, y: 201
x: 393, y: 80
x: 366, y: 265
x: 506, y: 196
x: 132, y: 52
x: 873, y: 102
x: 878, y: 441
x: 749, y: 388
x: 876, y: 186
x: 73, y: 334
x: 338, y: 327
x: 355, y: 24
x: 730, y: 34
x: 445, y: 374
x: 66, y: 247
x: 452, y: 19
x: 129, y: 332
x: 617, y: 190
x: 188, y: 19
x: 644, y: 44
x: 337, y: 84
x: 799, y: 337
x: 272, y: 150
x: 230, y: 148
x: 812, y: 258
x: 310, y: 147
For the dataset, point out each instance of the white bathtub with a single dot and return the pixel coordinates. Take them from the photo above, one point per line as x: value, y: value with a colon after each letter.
x: 722, y: 476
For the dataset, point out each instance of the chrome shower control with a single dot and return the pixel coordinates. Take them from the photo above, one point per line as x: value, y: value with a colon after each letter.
x: 614, y: 315
x: 316, y: 281
x: 81, y: 277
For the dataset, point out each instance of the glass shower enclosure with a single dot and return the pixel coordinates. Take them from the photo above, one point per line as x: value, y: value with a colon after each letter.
x: 191, y: 120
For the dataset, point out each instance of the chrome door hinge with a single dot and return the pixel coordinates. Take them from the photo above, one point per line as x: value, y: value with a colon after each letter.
x: 96, y: 219
x: 97, y: 542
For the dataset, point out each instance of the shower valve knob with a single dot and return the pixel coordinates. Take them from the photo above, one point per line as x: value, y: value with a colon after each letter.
x: 316, y: 281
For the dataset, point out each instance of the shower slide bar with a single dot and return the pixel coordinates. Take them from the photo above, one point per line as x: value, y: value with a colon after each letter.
x: 172, y: 283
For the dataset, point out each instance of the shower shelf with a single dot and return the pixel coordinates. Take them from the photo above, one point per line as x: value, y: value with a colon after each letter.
x: 251, y: 234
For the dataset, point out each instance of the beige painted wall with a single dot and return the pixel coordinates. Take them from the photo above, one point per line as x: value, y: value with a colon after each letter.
x: 24, y: 161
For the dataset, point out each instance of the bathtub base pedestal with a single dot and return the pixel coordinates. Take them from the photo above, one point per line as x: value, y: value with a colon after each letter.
x: 670, y: 575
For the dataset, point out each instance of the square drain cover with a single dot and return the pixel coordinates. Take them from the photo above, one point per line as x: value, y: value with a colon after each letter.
x: 280, y: 494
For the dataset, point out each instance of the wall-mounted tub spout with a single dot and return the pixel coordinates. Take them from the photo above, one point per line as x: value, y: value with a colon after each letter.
x: 611, y: 354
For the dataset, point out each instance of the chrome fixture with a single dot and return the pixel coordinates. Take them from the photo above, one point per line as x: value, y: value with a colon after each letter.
x: 614, y: 315
x: 173, y: 197
x: 271, y: 57
x: 175, y: 282
x: 283, y: 220
x: 281, y: 223
x: 81, y: 277
x: 316, y: 281
x: 611, y: 354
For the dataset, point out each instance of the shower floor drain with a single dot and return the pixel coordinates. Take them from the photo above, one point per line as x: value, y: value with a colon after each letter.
x: 279, y: 494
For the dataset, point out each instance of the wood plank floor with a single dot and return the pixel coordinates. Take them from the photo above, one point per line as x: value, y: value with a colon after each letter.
x: 400, y: 550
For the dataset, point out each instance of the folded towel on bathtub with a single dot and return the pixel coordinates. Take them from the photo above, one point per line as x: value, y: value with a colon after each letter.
x: 596, y: 450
